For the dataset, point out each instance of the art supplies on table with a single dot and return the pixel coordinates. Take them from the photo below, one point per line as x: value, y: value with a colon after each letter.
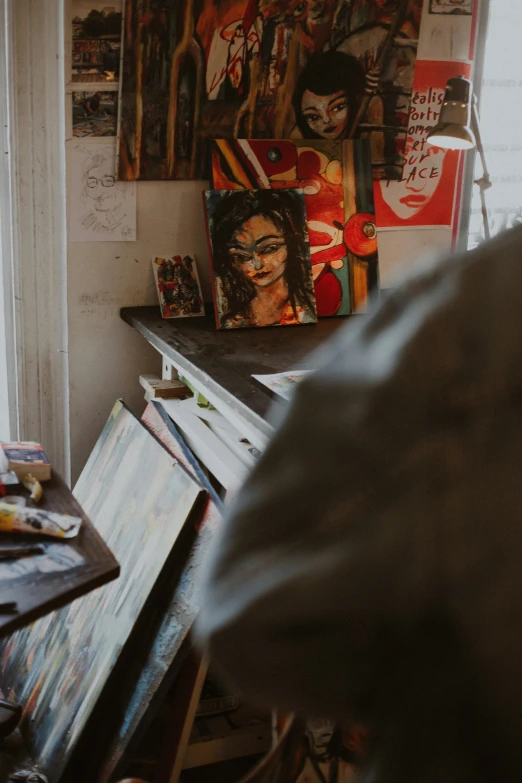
x: 23, y: 458
x: 282, y: 383
x: 178, y: 286
x: 19, y: 519
x: 9, y: 479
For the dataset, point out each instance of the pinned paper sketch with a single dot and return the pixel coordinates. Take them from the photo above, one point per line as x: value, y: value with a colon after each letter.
x: 451, y: 7
x: 101, y: 209
x: 96, y: 33
x: 94, y: 114
x: 425, y: 194
x: 179, y: 290
x: 282, y: 383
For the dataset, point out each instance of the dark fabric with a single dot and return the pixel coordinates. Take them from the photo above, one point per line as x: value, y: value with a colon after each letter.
x: 371, y: 567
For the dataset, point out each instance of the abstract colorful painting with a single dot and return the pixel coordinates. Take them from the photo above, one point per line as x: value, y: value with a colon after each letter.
x: 177, y: 283
x: 425, y: 194
x: 335, y: 177
x: 260, y: 258
x: 263, y: 69
x: 94, y: 114
x: 139, y: 498
x: 96, y: 40
x: 155, y: 670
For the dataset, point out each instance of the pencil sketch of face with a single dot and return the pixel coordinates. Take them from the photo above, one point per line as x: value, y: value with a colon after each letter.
x: 100, y: 190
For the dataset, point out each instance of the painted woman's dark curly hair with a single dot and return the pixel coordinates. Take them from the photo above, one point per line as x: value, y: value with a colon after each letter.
x: 286, y: 211
x: 325, y: 74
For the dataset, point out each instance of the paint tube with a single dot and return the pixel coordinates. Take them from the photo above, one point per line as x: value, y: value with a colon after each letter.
x: 16, y: 519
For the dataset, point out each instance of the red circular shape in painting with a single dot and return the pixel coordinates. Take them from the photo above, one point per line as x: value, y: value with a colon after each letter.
x: 360, y: 235
x: 328, y: 293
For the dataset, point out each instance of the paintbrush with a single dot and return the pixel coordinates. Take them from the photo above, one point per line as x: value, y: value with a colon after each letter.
x: 14, y: 553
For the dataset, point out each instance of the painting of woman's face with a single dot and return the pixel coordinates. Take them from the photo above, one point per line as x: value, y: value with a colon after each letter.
x: 326, y: 115
x: 258, y: 250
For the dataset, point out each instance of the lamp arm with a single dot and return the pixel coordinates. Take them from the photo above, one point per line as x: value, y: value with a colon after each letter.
x: 484, y: 182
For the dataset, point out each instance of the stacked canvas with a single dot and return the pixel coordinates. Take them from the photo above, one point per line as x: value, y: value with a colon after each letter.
x: 139, y: 495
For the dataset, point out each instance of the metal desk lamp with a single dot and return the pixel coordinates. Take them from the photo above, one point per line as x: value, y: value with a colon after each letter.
x: 458, y: 129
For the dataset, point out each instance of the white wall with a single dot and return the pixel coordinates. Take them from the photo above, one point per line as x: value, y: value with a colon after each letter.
x: 105, y: 355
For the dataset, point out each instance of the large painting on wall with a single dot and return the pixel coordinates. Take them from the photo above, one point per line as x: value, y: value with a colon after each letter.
x: 318, y: 69
x: 335, y: 177
x: 139, y: 498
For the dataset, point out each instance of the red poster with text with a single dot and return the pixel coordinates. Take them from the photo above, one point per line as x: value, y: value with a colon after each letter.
x: 425, y: 195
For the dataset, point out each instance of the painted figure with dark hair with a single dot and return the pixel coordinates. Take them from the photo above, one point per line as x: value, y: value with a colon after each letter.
x: 261, y: 258
x: 327, y: 95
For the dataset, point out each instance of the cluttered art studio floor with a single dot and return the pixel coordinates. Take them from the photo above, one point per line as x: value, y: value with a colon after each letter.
x: 97, y: 665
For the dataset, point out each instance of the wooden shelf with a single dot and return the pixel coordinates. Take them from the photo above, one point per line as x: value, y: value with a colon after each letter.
x: 221, y: 363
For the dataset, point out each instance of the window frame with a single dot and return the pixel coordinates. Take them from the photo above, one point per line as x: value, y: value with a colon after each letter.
x: 33, y: 228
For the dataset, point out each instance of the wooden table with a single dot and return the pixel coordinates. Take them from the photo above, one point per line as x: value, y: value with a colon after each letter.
x: 37, y: 594
x: 220, y: 363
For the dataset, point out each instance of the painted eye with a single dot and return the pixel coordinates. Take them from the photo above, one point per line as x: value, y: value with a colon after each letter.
x: 300, y: 9
x: 340, y: 107
x: 311, y: 118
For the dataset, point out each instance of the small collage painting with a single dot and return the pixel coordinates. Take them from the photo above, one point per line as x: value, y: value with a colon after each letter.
x: 96, y: 45
x: 178, y: 286
x: 260, y: 258
x: 94, y: 114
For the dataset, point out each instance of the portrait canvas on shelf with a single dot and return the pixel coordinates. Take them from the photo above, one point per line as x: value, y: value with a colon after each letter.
x: 96, y: 40
x: 94, y: 114
x: 425, y: 195
x: 101, y: 209
x: 336, y: 180
x: 178, y: 286
x: 139, y: 499
x: 261, y: 69
x: 260, y: 258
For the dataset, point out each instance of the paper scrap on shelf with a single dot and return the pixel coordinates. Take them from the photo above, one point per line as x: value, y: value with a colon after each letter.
x: 282, y: 383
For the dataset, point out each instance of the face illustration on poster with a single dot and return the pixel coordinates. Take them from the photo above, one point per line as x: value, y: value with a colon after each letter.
x: 425, y: 194
x: 421, y: 178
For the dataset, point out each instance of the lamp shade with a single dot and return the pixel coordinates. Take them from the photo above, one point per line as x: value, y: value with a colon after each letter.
x: 453, y: 130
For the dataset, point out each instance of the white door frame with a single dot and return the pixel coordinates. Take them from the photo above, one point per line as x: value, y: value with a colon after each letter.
x: 34, y: 225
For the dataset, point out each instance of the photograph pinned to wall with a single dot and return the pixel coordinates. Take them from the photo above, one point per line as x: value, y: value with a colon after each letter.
x: 263, y: 69
x: 336, y: 180
x: 464, y: 7
x: 426, y: 193
x: 94, y: 114
x: 178, y: 286
x: 139, y: 499
x: 101, y: 209
x: 260, y: 258
x: 96, y: 40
